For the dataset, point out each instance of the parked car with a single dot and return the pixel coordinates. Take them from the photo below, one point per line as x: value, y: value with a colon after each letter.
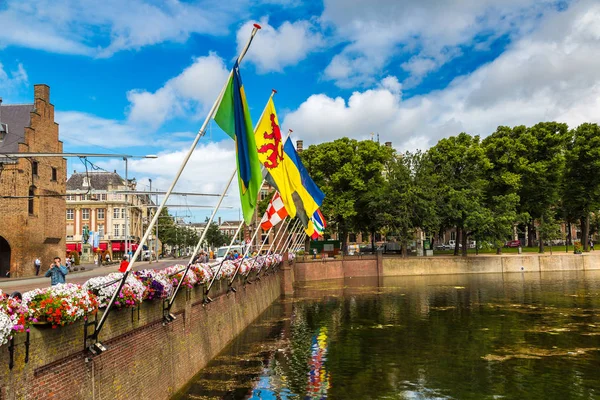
x: 512, y: 243
x: 443, y: 246
x: 452, y: 244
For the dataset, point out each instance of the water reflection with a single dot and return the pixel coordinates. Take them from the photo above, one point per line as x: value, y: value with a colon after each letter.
x: 514, y: 336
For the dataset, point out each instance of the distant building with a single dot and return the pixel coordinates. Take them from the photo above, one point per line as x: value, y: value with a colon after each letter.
x: 95, y: 201
x: 32, y: 203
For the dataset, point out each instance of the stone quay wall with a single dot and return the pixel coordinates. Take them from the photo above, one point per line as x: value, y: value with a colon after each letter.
x: 383, y: 266
x: 144, y: 359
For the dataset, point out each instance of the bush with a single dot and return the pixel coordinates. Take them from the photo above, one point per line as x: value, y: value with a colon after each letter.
x: 578, y: 247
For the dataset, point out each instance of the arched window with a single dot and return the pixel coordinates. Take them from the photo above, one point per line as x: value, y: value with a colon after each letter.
x: 31, y: 200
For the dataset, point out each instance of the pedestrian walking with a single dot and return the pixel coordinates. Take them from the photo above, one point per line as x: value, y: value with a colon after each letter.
x: 591, y: 245
x: 38, y: 264
x: 57, y: 272
x: 68, y: 263
x: 124, y: 264
x: 107, y: 257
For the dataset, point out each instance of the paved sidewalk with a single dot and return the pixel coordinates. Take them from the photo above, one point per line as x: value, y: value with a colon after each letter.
x: 24, y: 284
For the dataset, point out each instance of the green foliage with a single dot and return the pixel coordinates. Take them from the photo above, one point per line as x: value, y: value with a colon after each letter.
x: 214, y: 237
x: 539, y: 176
x: 350, y: 173
x: 581, y: 184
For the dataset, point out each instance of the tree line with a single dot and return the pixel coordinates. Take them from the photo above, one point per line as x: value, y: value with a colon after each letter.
x: 533, y: 178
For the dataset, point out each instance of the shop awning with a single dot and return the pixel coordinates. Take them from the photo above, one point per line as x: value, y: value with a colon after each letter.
x: 103, y: 246
x: 116, y: 246
x: 71, y: 246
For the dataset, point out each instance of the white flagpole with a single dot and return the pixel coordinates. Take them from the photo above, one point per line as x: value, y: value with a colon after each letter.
x: 199, y: 135
x: 212, y: 216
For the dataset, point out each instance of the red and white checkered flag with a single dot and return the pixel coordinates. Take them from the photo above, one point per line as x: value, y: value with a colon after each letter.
x: 275, y: 213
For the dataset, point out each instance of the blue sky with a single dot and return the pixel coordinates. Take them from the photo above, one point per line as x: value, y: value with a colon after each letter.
x: 139, y: 76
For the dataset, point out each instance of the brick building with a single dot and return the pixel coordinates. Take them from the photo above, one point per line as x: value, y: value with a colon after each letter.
x: 32, y: 203
x: 95, y: 201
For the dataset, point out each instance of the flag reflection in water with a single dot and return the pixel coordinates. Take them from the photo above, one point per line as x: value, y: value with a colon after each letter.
x: 318, y: 377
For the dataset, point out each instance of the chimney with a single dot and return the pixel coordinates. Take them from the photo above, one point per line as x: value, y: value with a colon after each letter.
x: 299, y: 146
x: 219, y: 221
x: 41, y: 91
x: 388, y: 144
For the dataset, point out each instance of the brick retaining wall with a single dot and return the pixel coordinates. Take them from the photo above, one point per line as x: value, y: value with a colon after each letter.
x: 144, y: 360
x: 384, y: 266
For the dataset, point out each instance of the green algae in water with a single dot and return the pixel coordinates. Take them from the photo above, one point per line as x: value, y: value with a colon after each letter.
x: 512, y: 336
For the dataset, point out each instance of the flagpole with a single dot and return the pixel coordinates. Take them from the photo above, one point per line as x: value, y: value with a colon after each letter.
x: 275, y: 240
x: 199, y: 135
x: 261, y: 247
x: 296, y: 240
x: 253, y: 260
x: 166, y: 312
x: 279, y: 239
x: 284, y: 239
x: 237, y: 232
x: 288, y: 241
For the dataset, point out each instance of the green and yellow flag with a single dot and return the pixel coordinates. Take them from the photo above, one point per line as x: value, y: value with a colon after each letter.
x: 233, y: 116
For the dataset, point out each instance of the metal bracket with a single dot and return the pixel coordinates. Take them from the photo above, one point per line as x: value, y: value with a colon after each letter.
x: 11, y: 352
x: 27, y: 342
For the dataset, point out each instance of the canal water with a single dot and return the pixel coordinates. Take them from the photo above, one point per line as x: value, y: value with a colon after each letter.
x: 511, y: 336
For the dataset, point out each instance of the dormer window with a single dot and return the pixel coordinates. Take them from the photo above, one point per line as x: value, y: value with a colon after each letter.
x: 86, y: 181
x: 3, y: 132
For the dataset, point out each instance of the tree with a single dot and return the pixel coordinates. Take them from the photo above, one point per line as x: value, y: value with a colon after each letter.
x: 411, y: 198
x: 503, y: 150
x: 581, y: 185
x: 214, y: 237
x: 542, y: 151
x: 348, y: 172
x: 459, y: 165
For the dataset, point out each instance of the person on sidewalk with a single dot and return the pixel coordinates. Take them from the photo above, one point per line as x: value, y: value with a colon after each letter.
x: 38, y: 264
x: 124, y: 264
x: 57, y: 272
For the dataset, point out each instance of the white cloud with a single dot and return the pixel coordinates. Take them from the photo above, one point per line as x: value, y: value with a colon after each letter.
x: 273, y: 49
x: 77, y: 129
x: 194, y: 90
x: 547, y: 75
x: 94, y: 28
x: 376, y: 30
x: 207, y: 171
x: 14, y: 79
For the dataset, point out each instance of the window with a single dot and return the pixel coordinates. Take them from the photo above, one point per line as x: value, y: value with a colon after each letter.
x: 85, y: 213
x: 116, y: 213
x: 452, y: 235
x: 116, y: 232
x: 70, y: 197
x: 34, y: 168
x: 70, y: 214
x: 123, y: 212
x: 54, y: 174
x: 123, y: 228
x: 101, y: 213
x: 101, y: 230
x: 31, y: 200
x: 103, y: 197
x: 264, y: 194
x: 85, y: 197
